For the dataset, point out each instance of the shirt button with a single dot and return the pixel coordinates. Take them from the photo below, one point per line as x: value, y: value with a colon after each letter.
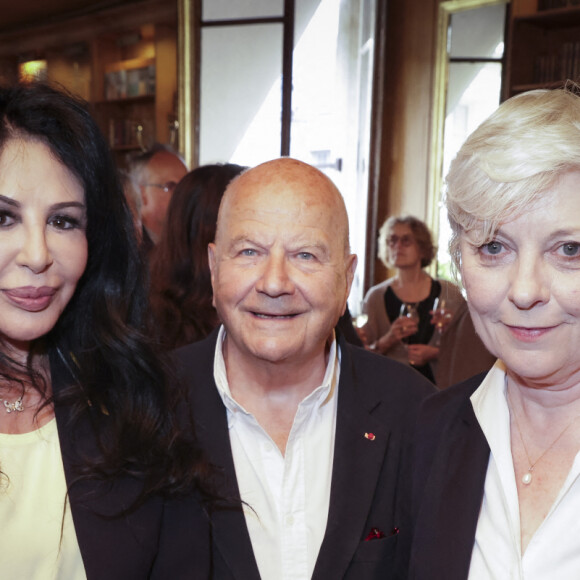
x: 268, y: 448
x: 289, y: 520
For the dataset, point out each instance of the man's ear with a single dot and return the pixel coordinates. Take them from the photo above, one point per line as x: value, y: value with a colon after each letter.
x: 350, y: 263
x: 211, y: 258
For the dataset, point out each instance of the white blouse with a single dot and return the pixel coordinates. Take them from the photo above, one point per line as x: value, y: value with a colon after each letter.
x: 554, y: 550
x: 34, y: 510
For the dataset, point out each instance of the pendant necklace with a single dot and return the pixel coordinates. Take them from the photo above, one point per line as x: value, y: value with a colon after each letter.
x: 527, y: 477
x: 12, y: 406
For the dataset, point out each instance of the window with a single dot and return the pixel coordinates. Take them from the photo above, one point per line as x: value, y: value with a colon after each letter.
x: 474, y: 47
x: 292, y: 77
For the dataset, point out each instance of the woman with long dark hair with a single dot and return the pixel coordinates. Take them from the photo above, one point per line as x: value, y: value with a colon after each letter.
x: 95, y: 481
x: 181, y: 294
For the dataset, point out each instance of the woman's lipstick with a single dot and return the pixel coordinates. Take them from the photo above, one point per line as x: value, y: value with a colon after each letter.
x: 30, y: 298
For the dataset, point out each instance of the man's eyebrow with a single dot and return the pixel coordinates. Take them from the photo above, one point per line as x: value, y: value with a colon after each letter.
x: 239, y: 239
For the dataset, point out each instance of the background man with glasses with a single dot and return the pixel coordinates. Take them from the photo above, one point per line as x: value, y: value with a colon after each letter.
x: 154, y: 174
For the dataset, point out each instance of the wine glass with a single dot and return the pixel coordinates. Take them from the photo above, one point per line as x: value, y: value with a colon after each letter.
x: 440, y: 319
x: 409, y: 311
x: 360, y: 320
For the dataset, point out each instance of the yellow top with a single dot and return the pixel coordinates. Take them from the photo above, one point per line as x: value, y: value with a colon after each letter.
x: 32, y: 504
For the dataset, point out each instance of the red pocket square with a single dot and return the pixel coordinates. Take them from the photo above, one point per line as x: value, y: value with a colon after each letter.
x: 374, y: 534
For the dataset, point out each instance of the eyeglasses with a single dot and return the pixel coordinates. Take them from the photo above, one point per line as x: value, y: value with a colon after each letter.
x: 166, y: 187
x: 406, y: 241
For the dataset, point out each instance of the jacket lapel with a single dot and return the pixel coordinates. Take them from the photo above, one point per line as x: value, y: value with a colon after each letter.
x: 449, y: 509
x: 361, y: 441
x: 229, y: 531
x: 96, y: 505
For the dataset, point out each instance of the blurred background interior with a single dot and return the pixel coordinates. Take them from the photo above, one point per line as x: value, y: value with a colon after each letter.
x: 379, y: 94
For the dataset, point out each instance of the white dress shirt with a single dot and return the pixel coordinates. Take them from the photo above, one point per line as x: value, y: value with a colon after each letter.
x: 554, y: 550
x: 287, y: 495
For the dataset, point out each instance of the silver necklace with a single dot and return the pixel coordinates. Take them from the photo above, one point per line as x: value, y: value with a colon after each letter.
x: 527, y: 477
x: 11, y: 406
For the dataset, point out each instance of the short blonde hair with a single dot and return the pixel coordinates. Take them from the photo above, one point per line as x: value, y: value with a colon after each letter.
x: 510, y: 159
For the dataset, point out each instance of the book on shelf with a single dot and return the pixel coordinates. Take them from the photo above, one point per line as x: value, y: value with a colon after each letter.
x: 130, y: 78
x: 558, y: 66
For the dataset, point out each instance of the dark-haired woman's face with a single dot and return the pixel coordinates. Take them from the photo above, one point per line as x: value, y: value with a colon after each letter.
x: 402, y: 249
x: 43, y: 244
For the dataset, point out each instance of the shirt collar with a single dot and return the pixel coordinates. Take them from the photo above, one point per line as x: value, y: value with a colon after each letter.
x: 491, y: 409
x: 321, y: 395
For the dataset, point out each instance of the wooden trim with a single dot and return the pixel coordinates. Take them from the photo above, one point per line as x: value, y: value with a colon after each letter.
x: 435, y: 177
x: 435, y: 181
x: 376, y: 137
x: 243, y: 21
x: 287, y: 73
x: 188, y: 59
x: 82, y: 28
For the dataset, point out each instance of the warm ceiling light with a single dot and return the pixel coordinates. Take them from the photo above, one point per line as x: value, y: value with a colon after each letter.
x: 32, y: 70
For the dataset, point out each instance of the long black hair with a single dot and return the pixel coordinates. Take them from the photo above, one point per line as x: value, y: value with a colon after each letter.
x: 114, y: 373
x: 181, y: 292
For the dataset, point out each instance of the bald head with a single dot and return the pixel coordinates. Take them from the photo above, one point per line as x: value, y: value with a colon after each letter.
x: 281, y: 268
x: 298, y: 185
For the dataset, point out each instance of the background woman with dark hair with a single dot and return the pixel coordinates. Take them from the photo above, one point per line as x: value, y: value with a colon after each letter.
x: 405, y: 244
x: 89, y: 455
x: 181, y: 293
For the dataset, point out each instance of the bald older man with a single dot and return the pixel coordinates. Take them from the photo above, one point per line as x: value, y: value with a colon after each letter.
x: 309, y: 432
x: 154, y: 175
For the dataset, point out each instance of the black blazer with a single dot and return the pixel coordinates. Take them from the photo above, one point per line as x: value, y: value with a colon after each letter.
x: 449, y: 472
x: 161, y: 540
x: 369, y: 480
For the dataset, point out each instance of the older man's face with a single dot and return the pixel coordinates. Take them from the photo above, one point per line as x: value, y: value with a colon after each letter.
x: 163, y: 172
x: 280, y: 271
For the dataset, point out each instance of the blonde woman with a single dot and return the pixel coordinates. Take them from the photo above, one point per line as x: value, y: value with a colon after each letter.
x: 497, y: 486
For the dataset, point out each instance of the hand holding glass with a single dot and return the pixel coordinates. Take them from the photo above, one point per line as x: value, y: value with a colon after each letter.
x: 409, y: 312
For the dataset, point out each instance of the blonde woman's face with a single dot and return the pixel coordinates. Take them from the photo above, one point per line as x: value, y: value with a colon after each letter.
x: 523, y: 287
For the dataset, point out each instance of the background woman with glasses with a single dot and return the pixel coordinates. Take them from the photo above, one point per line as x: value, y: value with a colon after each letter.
x: 405, y: 245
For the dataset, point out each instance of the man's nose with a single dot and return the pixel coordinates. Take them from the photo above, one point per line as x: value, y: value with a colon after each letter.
x: 276, y: 278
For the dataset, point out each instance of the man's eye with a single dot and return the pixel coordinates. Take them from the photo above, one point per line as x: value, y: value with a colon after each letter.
x: 492, y: 248
x: 248, y: 252
x: 306, y: 256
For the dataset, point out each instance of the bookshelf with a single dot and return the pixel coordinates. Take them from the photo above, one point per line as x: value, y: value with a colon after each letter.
x: 136, y: 87
x: 543, y: 44
x: 122, y: 60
